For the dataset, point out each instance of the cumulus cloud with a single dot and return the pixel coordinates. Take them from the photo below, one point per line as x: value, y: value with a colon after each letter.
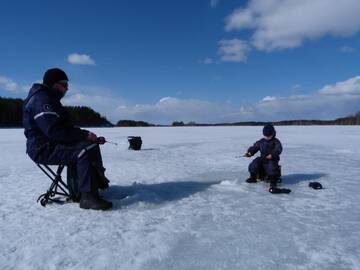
x: 268, y: 98
x: 347, y: 49
x: 104, y: 104
x: 348, y: 87
x: 214, y: 3
x: 329, y: 102
x: 11, y: 86
x: 169, y: 109
x: 208, y: 61
x: 80, y: 59
x: 281, y: 24
x: 233, y: 50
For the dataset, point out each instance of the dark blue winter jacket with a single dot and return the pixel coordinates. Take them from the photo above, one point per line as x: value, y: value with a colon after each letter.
x: 46, y: 121
x: 266, y: 147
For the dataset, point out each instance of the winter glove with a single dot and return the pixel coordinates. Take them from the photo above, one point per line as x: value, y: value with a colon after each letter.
x: 100, y: 140
x: 315, y: 185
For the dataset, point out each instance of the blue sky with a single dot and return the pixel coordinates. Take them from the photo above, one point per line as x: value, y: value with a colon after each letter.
x: 204, y: 60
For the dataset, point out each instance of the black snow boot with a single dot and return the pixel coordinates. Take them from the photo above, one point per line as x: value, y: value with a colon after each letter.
x: 252, y: 178
x: 273, y: 181
x: 275, y: 190
x: 92, y: 200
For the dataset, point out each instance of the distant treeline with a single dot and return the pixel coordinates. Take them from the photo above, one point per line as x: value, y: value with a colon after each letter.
x: 86, y: 117
x: 11, y: 114
x: 132, y: 123
x: 350, y: 120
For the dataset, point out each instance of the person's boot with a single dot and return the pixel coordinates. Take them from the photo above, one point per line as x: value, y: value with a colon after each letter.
x: 252, y: 178
x: 273, y: 181
x: 92, y: 200
x: 273, y: 186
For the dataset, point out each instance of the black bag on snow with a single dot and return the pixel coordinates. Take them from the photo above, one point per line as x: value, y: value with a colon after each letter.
x: 135, y: 143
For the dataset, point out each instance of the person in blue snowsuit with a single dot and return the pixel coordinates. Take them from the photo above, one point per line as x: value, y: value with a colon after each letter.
x: 270, y: 149
x: 52, y: 139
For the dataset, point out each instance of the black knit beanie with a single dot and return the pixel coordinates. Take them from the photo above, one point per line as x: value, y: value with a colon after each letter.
x: 269, y: 130
x: 54, y: 75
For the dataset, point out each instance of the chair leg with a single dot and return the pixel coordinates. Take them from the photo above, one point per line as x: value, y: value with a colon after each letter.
x: 57, y: 187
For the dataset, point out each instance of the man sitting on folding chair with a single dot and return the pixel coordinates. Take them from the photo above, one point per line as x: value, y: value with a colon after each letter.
x: 53, y: 140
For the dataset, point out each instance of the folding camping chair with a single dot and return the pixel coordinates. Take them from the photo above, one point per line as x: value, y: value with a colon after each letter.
x: 57, y: 186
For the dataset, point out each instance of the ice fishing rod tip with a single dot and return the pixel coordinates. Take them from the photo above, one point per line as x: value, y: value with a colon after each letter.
x: 112, y: 142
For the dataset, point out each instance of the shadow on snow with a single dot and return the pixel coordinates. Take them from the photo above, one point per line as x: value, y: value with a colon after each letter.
x: 299, y: 177
x: 159, y: 193
x: 156, y: 193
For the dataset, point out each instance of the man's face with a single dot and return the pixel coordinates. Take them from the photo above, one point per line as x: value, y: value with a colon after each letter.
x: 268, y: 138
x: 61, y: 86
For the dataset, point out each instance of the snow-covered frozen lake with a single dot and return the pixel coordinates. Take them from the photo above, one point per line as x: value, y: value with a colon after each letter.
x: 188, y: 206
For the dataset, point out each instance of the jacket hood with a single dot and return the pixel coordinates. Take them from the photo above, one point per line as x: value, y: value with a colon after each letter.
x: 37, y: 87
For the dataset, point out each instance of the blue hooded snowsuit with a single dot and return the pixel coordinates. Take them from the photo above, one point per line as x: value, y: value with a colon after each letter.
x: 52, y: 139
x: 266, y: 147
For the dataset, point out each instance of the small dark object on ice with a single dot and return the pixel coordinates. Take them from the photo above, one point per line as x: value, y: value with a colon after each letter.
x: 275, y: 190
x: 135, y: 142
x: 251, y: 180
x: 315, y: 185
x: 90, y: 201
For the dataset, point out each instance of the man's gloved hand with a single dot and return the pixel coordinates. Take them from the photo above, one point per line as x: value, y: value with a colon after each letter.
x: 247, y: 154
x: 92, y: 137
x: 100, y: 140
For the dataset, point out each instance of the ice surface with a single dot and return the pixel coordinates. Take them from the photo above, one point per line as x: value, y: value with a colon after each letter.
x: 187, y: 205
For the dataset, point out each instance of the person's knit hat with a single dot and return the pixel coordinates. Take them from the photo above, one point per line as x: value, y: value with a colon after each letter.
x: 269, y: 130
x: 54, y: 75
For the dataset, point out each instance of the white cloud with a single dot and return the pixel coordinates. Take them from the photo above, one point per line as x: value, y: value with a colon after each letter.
x: 268, y: 98
x: 348, y: 87
x: 214, y: 3
x: 208, y: 61
x: 240, y: 19
x: 11, y: 86
x: 281, y: 24
x: 347, y: 49
x: 98, y: 98
x: 330, y: 102
x: 233, y: 50
x: 169, y: 109
x: 80, y: 59
x: 314, y: 106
